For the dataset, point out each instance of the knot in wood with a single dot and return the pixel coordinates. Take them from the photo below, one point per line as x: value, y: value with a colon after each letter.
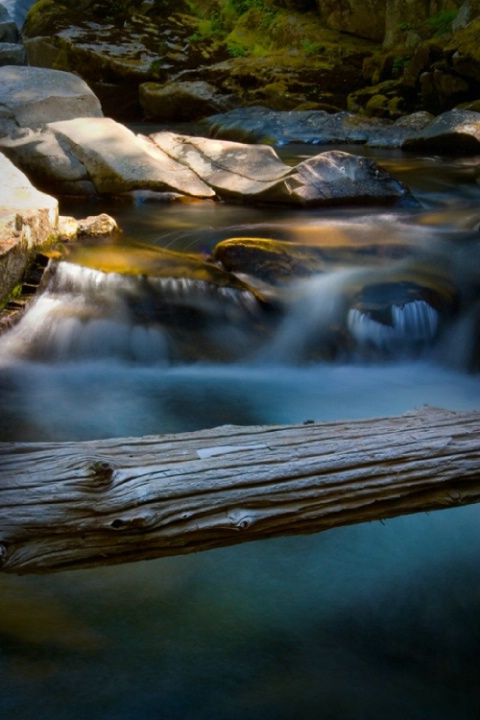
x: 137, y: 522
x: 3, y: 553
x: 102, y: 472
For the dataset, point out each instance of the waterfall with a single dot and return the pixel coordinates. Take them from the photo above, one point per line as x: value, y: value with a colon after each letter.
x: 86, y: 314
x: 414, y: 323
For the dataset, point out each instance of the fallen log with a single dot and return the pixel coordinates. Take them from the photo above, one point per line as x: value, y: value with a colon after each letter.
x: 72, y: 505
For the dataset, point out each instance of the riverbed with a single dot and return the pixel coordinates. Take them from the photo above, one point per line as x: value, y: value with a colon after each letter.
x: 360, y: 623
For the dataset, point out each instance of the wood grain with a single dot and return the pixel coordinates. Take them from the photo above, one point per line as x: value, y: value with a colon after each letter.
x: 72, y: 505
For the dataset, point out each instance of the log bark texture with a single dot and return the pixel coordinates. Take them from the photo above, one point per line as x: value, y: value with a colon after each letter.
x: 72, y: 505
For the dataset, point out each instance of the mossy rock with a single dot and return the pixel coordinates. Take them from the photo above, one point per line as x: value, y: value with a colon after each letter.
x: 47, y: 17
x: 272, y: 261
x: 377, y: 101
x: 465, y: 46
x: 149, y: 261
x: 257, y: 52
x: 474, y: 105
x: 278, y: 262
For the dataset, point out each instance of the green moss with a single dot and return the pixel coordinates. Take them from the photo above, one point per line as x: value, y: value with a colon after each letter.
x: 16, y: 293
x: 236, y: 50
x: 398, y: 65
x: 441, y: 23
x: 45, y: 17
x: 467, y: 40
x: 312, y: 48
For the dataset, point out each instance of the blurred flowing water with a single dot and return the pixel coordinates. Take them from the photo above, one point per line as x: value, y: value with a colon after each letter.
x: 360, y: 623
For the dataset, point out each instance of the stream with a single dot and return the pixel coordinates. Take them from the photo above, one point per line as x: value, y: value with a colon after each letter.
x: 358, y: 623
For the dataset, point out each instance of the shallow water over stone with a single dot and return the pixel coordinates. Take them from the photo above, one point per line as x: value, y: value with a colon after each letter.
x: 367, y: 622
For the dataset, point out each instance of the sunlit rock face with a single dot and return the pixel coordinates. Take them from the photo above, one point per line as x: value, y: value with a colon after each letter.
x: 256, y: 52
x: 118, y: 161
x: 32, y: 96
x: 256, y: 173
x: 28, y: 219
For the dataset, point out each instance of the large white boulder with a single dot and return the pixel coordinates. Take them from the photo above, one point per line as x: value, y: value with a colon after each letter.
x: 119, y: 161
x: 33, y: 96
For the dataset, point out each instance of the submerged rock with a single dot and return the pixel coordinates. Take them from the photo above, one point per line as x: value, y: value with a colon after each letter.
x: 280, y: 262
x: 140, y: 304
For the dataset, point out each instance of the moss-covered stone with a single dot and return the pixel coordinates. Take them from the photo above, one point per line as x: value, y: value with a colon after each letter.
x: 385, y: 100
x: 465, y: 46
x: 316, y: 250
x: 149, y: 261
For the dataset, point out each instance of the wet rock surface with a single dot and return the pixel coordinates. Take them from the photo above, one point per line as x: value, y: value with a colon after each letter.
x: 317, y: 127
x: 455, y: 132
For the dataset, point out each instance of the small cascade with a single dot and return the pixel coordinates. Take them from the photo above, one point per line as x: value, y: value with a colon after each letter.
x: 415, y: 323
x: 323, y: 322
x: 87, y: 314
x: 314, y: 325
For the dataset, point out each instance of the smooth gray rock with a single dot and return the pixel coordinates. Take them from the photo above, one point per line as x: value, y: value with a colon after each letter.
x: 313, y: 127
x: 48, y: 163
x: 35, y: 96
x: 118, y: 161
x: 12, y: 54
x: 233, y: 170
x: 255, y: 173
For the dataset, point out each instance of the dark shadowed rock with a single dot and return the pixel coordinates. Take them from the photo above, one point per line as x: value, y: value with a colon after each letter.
x: 314, y: 127
x: 179, y: 101
x: 455, y: 132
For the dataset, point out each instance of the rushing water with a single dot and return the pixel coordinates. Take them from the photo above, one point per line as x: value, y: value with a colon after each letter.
x: 360, y: 623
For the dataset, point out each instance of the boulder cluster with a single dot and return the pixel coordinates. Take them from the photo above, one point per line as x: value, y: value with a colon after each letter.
x: 147, y: 59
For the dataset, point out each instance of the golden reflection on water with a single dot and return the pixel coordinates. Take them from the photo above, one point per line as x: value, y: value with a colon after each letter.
x: 40, y: 619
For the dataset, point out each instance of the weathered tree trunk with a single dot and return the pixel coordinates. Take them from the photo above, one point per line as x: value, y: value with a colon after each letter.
x: 72, y: 505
